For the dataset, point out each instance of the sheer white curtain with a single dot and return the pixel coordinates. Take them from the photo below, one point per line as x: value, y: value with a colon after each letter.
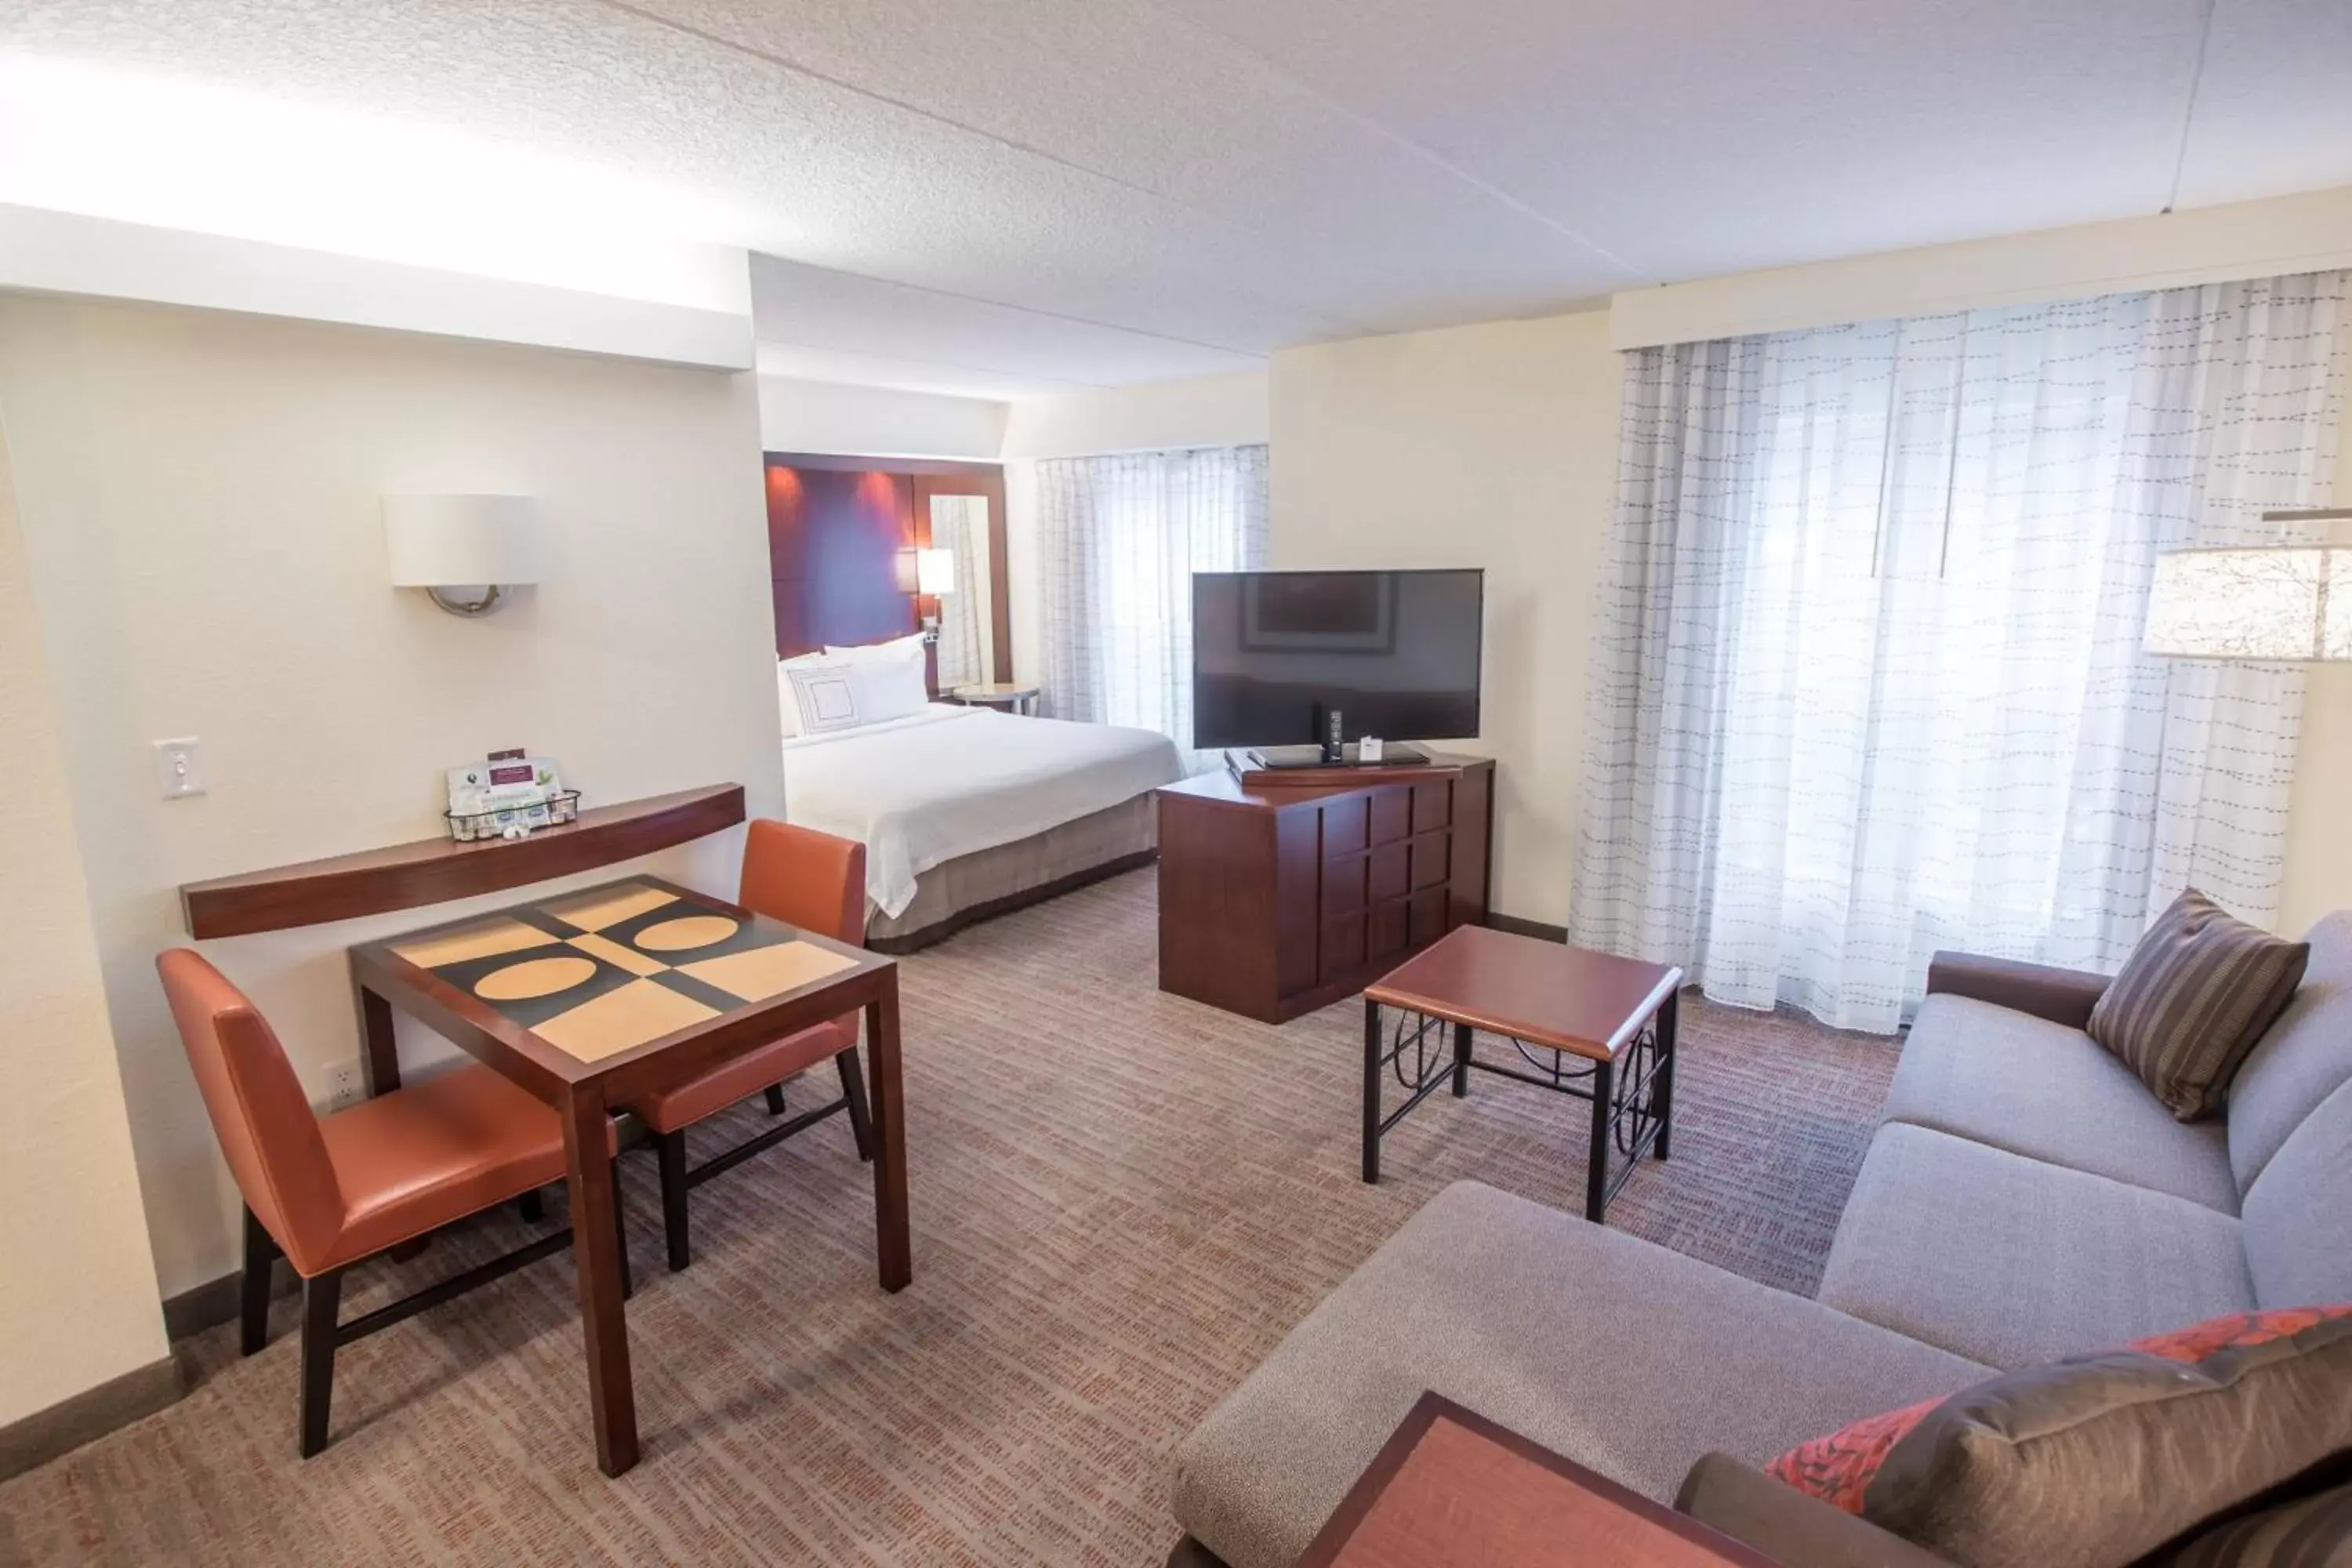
x: 960, y: 523
x: 1119, y: 538
x: 1867, y: 682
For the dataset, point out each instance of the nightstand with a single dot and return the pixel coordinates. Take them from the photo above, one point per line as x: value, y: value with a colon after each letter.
x: 1003, y: 695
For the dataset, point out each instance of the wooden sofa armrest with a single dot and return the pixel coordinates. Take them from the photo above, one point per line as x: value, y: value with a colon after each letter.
x: 2061, y: 995
x: 1786, y: 1525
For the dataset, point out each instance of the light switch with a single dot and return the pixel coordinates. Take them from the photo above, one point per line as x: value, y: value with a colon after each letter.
x: 180, y: 767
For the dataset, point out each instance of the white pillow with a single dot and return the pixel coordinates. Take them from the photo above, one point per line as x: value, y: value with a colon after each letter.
x: 786, y: 703
x: 827, y: 696
x: 891, y: 687
x: 897, y: 648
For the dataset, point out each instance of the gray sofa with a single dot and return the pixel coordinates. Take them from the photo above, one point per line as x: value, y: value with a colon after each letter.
x: 2024, y: 1197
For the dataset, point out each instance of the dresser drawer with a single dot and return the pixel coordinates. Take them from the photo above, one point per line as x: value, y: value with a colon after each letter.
x: 1428, y: 916
x: 1346, y: 821
x: 1433, y: 806
x: 1391, y: 812
x: 1342, y: 948
x: 1343, y: 884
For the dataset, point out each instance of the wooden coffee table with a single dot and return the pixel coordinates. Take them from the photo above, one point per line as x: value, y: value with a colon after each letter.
x: 1554, y: 1004
x: 1453, y: 1489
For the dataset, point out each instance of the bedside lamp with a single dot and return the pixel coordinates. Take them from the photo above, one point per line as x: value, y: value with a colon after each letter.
x: 464, y: 551
x: 935, y: 572
x: 927, y: 573
x: 2287, y: 602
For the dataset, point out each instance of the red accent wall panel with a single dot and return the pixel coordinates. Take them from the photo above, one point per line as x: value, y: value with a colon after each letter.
x: 833, y: 539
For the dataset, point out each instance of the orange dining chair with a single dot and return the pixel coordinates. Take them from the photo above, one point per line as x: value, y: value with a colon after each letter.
x: 326, y: 1191
x: 816, y: 882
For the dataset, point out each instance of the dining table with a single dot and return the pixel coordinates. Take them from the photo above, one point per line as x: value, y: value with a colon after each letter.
x: 591, y: 999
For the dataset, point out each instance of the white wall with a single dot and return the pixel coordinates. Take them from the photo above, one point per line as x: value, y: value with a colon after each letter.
x: 876, y: 421
x: 2318, y: 827
x: 199, y: 495
x: 1495, y: 445
x: 2208, y: 245
x: 700, y: 312
x: 1207, y: 411
x: 78, y: 1296
x: 1490, y: 446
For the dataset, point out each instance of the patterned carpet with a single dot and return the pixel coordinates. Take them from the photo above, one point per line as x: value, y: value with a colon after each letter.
x: 1121, y: 1201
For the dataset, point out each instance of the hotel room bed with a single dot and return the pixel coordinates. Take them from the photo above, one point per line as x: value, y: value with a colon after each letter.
x: 967, y: 812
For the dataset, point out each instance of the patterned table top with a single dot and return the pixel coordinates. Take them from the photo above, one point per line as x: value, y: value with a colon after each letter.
x: 597, y: 973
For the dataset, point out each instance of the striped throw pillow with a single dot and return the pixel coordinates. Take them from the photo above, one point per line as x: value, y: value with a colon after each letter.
x: 2195, y: 996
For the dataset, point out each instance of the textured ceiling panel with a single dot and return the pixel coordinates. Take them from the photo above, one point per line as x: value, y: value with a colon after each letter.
x: 1328, y: 201
x: 824, y: 172
x: 1698, y: 137
x: 2273, y: 112
x: 1043, y: 194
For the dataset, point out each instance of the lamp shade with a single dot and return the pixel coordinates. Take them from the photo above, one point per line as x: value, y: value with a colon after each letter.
x: 2284, y: 602
x: 934, y: 570
x: 454, y: 541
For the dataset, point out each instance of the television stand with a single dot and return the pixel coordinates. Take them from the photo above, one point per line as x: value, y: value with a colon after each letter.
x: 1280, y: 897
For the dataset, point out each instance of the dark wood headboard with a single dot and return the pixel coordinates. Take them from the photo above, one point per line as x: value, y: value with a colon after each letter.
x: 835, y: 526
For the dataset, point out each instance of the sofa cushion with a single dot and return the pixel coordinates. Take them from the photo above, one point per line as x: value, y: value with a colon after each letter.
x: 2312, y: 1529
x: 2012, y: 1261
x: 2041, y: 1090
x: 1785, y: 1524
x: 1619, y: 1354
x: 2306, y: 1057
x: 2095, y: 1460
x: 2298, y: 1222
x: 2196, y: 995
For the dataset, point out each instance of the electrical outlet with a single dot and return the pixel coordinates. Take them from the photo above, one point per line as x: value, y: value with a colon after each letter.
x: 345, y: 1088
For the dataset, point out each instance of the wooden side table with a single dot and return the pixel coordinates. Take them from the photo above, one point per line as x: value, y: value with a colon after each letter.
x: 1615, y: 1015
x: 1007, y: 696
x: 1453, y: 1489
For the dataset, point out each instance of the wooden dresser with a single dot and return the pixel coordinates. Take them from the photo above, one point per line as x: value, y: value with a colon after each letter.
x: 1275, y: 899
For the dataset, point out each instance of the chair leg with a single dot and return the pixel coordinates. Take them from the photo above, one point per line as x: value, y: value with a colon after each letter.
x: 775, y: 1100
x: 321, y: 1297
x: 253, y: 1303
x: 621, y: 1233
x: 853, y: 1090
x: 670, y: 1150
x: 532, y: 1207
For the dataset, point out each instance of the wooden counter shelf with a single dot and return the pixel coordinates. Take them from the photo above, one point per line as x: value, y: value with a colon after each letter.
x: 437, y: 871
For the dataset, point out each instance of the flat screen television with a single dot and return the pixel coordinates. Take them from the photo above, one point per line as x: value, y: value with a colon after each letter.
x: 1277, y: 655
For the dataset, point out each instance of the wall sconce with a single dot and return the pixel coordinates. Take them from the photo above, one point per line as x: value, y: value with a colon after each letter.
x: 2282, y: 601
x: 927, y: 573
x: 464, y: 549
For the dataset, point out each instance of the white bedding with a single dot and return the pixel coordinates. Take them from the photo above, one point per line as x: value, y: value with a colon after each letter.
x: 922, y: 790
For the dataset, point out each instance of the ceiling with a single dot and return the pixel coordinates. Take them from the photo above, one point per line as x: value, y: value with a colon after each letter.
x: 1012, y: 197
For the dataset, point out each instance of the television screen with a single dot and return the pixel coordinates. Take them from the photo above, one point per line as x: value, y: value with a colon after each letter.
x: 1396, y: 653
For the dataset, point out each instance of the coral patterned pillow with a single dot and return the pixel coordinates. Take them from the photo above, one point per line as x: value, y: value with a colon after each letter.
x: 2100, y: 1459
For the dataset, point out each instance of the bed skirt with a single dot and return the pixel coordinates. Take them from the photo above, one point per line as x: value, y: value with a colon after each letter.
x: 952, y: 895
